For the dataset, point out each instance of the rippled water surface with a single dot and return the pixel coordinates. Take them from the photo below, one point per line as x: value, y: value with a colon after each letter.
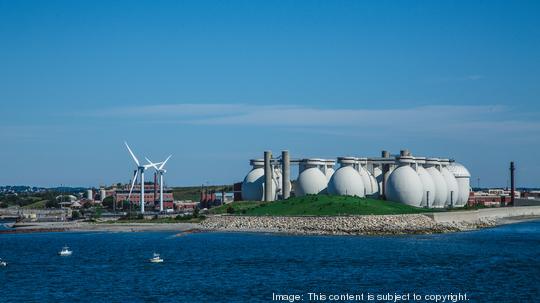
x: 500, y: 264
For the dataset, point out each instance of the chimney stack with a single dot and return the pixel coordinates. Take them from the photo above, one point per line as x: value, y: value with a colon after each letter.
x: 268, y: 176
x: 512, y: 183
x: 286, y: 174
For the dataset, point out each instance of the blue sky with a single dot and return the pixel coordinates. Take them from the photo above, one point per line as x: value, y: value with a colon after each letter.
x: 216, y: 83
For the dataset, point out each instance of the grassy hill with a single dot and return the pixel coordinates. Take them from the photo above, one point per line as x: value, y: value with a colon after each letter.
x: 36, y: 205
x: 319, y: 205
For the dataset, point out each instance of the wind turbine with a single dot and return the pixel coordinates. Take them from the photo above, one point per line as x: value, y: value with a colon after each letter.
x: 140, y: 171
x: 161, y: 171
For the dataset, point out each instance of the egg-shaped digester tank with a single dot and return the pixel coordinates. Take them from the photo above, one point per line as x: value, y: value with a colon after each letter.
x: 311, y: 180
x: 328, y: 168
x: 463, y: 178
x: 404, y: 184
x: 429, y: 189
x: 433, y: 167
x: 451, y: 183
x: 370, y: 183
x: 346, y: 181
x: 253, y: 184
x: 377, y: 174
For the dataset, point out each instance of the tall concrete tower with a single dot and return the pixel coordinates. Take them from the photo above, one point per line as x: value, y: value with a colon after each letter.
x: 286, y: 168
x: 268, y: 176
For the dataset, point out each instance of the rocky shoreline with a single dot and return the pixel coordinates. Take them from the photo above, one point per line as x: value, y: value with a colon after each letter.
x: 341, y: 225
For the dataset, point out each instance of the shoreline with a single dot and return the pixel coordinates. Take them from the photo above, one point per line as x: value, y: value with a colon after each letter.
x: 342, y: 225
x: 323, y: 226
x: 74, y: 226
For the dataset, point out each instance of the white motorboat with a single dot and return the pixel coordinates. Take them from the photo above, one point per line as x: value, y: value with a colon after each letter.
x: 3, y: 263
x: 65, y: 251
x: 156, y: 259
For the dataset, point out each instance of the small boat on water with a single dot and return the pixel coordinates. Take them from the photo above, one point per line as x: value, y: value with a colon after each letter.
x: 3, y: 263
x: 65, y: 251
x: 156, y: 259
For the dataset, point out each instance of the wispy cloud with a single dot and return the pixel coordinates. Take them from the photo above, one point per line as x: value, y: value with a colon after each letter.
x: 433, y: 120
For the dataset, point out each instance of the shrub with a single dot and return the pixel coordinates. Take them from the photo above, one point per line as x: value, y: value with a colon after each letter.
x: 75, y: 215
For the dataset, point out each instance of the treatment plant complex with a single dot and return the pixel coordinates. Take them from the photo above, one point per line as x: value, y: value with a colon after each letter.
x: 416, y: 181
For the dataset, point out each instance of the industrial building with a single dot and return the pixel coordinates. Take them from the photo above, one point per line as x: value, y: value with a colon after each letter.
x: 151, y: 195
x: 417, y: 181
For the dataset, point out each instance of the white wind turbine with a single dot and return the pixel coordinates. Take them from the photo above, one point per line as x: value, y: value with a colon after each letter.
x: 140, y: 171
x: 161, y: 171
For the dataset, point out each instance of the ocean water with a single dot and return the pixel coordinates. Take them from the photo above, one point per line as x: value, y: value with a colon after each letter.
x: 492, y: 265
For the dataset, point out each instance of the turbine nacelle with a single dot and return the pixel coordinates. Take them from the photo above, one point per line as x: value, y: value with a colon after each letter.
x: 161, y: 165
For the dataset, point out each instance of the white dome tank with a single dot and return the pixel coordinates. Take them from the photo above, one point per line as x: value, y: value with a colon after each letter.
x: 433, y: 167
x: 404, y: 184
x: 253, y: 184
x: 451, y: 182
x: 391, y: 168
x: 429, y: 192
x: 377, y: 174
x: 311, y: 180
x: 329, y: 168
x: 371, y: 185
x: 346, y: 181
x: 277, y: 178
x: 463, y: 178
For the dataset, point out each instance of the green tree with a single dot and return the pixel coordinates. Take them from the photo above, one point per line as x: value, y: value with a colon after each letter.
x: 97, y: 212
x: 52, y: 203
x: 108, y: 202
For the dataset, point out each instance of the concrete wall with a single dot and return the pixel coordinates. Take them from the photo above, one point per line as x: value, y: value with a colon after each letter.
x: 492, y: 213
x: 526, y: 202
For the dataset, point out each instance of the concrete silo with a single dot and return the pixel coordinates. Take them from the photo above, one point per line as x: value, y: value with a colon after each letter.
x: 311, y: 179
x: 102, y: 194
x: 429, y: 191
x: 451, y: 183
x: 346, y: 181
x: 433, y: 167
x: 404, y: 184
x: 89, y: 195
x: 253, y: 184
x: 463, y: 177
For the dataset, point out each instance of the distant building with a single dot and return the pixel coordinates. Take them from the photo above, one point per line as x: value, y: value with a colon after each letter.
x: 185, y: 206
x: 491, y: 197
x: 533, y: 195
x: 151, y: 195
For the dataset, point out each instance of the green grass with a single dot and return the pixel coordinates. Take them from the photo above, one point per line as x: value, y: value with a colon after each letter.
x: 36, y: 205
x: 320, y: 205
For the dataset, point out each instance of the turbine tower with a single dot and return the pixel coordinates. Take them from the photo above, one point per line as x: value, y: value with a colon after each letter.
x: 161, y: 171
x: 140, y: 172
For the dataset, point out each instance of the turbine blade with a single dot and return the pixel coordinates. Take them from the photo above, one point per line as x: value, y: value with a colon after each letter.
x: 132, y: 154
x: 163, y: 164
x: 132, y: 184
x: 151, y: 163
